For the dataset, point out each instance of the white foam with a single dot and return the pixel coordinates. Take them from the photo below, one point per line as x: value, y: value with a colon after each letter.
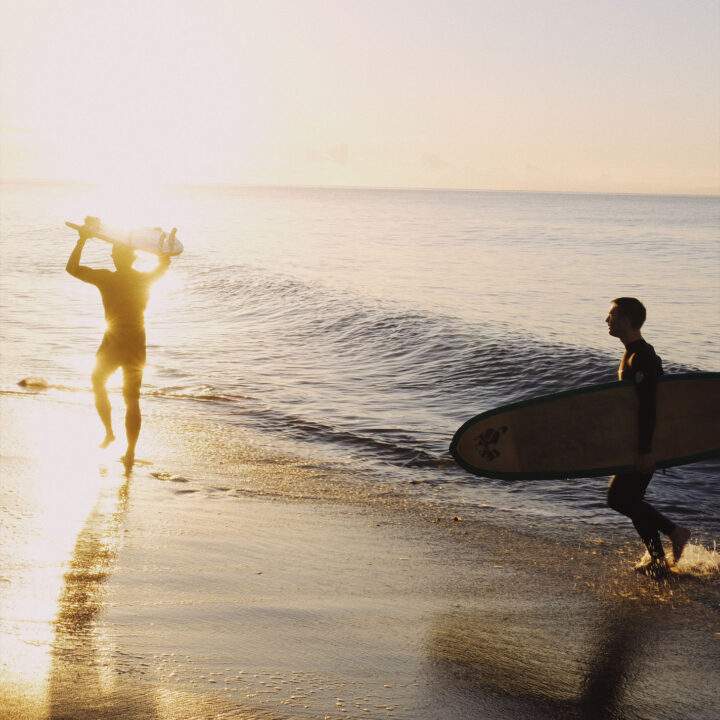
x: 698, y: 561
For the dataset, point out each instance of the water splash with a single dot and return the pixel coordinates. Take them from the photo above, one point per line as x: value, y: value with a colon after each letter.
x: 699, y: 561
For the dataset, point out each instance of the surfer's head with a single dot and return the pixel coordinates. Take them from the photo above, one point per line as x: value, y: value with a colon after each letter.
x: 626, y: 316
x: 123, y: 256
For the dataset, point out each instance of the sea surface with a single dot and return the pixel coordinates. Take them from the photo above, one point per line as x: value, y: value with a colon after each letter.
x: 365, y: 326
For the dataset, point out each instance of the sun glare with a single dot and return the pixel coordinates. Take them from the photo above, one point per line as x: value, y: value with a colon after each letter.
x: 148, y: 95
x: 57, y: 489
x: 128, y: 202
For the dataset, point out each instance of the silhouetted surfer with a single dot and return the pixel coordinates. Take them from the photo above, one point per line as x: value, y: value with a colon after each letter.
x: 125, y: 294
x: 641, y: 366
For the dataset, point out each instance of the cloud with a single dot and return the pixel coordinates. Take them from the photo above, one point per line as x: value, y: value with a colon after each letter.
x: 315, y: 156
x: 339, y: 153
x: 433, y: 162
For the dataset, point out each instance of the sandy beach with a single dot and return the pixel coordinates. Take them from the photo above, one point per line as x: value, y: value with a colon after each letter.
x: 170, y: 594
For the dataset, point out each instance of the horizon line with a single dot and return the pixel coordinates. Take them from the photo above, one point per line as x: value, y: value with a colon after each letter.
x: 706, y: 193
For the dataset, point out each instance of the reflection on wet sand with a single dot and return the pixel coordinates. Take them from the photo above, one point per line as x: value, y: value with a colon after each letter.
x: 88, y: 678
x: 51, y: 482
x: 73, y: 669
x: 622, y: 643
x: 64, y: 517
x: 561, y: 665
x: 81, y: 678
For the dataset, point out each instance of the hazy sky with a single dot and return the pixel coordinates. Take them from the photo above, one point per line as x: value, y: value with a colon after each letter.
x: 606, y: 95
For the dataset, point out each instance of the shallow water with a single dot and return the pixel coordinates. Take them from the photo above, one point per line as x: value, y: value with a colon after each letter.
x: 366, y: 326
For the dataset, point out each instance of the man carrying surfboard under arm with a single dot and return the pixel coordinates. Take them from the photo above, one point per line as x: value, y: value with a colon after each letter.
x: 125, y: 294
x: 641, y: 366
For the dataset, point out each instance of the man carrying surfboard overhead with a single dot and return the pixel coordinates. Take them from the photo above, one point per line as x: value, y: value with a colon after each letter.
x: 641, y: 366
x: 125, y: 293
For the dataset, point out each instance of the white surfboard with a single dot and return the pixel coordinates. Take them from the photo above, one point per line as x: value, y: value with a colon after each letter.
x: 152, y: 240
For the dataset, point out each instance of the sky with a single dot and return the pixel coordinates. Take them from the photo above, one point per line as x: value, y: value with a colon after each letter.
x: 547, y: 95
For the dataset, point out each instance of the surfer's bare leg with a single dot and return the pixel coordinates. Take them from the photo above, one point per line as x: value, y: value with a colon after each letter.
x: 679, y: 538
x: 102, y: 402
x: 133, y: 420
x: 131, y: 391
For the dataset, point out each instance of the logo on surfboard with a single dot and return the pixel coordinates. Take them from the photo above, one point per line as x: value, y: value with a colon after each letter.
x: 487, y: 440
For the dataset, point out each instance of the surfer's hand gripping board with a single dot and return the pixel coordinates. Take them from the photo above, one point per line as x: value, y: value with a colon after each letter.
x: 152, y: 240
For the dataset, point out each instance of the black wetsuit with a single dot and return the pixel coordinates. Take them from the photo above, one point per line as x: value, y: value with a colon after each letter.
x: 641, y: 366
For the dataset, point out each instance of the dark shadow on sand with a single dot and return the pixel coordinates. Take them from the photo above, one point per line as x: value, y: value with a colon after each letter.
x: 537, y: 662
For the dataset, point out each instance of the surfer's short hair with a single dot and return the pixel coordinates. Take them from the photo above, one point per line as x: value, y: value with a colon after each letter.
x: 124, y: 253
x: 632, y: 309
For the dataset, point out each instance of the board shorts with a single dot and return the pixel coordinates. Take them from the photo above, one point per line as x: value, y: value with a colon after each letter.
x: 127, y: 353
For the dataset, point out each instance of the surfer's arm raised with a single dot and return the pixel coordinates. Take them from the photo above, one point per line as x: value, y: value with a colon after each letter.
x: 161, y: 269
x: 74, y: 267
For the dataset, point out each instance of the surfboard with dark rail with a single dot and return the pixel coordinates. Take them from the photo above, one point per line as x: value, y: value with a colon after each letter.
x: 592, y: 431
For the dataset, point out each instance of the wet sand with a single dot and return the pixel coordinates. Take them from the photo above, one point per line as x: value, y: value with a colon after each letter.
x: 169, y: 593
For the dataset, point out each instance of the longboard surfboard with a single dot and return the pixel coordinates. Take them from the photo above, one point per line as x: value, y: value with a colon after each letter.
x: 591, y: 431
x: 152, y: 240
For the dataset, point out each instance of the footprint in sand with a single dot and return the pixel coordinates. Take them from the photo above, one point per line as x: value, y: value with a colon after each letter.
x: 169, y: 477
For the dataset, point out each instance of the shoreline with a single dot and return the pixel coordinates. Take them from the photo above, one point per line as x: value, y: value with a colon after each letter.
x: 184, y: 598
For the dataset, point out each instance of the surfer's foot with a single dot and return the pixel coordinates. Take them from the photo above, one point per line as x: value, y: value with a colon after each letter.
x: 679, y: 538
x: 109, y: 437
x: 128, y: 460
x: 655, y: 568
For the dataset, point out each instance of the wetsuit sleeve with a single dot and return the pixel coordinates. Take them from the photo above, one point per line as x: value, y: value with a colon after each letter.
x: 645, y: 376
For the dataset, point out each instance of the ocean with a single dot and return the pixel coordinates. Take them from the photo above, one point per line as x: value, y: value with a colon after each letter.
x: 363, y: 327
x: 294, y: 539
